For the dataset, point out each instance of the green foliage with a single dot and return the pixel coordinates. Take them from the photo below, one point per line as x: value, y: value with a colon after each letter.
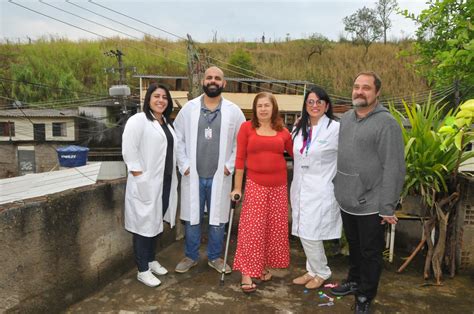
x: 241, y: 64
x: 384, y: 9
x: 364, y: 27
x: 445, y: 42
x: 318, y: 44
x: 432, y: 152
x: 50, y: 61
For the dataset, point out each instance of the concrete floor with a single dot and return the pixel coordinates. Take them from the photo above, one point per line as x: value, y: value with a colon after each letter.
x: 199, y: 290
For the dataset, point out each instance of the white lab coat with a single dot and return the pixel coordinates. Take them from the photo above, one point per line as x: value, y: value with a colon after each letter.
x: 144, y: 149
x: 315, y: 212
x: 186, y: 126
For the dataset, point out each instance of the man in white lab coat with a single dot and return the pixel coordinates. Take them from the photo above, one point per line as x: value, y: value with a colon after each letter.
x: 206, y: 130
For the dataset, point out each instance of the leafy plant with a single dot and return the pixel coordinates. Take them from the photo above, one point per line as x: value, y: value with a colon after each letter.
x: 435, y: 145
x: 445, y: 42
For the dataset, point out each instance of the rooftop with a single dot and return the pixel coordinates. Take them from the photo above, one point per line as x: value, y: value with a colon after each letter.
x: 37, y: 113
x: 41, y: 184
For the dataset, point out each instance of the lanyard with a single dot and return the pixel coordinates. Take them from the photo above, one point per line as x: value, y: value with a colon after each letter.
x: 307, y: 142
x: 210, y: 115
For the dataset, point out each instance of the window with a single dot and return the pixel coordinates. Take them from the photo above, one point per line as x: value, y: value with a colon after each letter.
x: 39, y: 132
x: 7, y: 128
x: 59, y: 128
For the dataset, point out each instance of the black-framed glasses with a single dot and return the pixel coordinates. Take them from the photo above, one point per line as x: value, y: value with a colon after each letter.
x: 312, y: 102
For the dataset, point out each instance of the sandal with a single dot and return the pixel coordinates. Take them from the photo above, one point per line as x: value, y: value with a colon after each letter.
x: 248, y: 287
x: 266, y: 275
x: 315, y: 283
x: 302, y: 280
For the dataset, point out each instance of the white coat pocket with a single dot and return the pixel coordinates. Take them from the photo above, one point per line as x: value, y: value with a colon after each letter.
x: 142, y: 188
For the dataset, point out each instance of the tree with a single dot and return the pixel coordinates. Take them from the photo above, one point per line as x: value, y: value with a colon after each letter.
x: 364, y: 27
x: 318, y: 44
x: 241, y: 64
x: 384, y: 9
x: 445, y: 43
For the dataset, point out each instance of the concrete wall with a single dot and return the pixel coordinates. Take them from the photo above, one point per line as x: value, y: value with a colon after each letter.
x: 55, y: 251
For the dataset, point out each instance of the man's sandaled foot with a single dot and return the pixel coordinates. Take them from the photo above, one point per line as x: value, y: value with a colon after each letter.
x: 248, y: 287
x: 266, y: 275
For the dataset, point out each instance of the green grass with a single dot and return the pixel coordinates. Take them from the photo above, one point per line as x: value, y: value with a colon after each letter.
x: 79, y: 66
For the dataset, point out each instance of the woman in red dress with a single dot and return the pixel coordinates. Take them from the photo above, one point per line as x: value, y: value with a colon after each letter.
x: 262, y: 241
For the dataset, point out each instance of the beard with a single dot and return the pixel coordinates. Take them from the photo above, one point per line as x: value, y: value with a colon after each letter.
x: 360, y: 102
x: 212, y: 90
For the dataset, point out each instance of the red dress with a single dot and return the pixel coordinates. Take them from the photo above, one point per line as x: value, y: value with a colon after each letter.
x: 262, y: 240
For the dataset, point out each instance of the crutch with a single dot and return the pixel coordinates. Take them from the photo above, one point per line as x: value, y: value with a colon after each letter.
x: 233, y: 202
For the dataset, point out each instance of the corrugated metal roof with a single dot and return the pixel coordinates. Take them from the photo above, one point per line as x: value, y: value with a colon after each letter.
x: 40, y: 184
x: 47, y: 113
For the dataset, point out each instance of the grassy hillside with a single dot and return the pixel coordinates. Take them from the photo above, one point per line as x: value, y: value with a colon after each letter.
x: 78, y: 67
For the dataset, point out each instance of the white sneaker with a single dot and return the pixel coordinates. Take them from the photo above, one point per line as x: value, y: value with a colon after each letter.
x: 148, y: 279
x: 157, y: 269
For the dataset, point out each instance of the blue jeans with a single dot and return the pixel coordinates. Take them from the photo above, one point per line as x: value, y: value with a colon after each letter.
x: 193, y: 232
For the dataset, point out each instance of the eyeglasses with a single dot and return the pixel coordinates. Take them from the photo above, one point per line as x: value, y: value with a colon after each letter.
x: 312, y: 102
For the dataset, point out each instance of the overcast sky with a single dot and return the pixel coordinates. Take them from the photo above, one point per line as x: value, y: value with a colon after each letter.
x: 229, y: 20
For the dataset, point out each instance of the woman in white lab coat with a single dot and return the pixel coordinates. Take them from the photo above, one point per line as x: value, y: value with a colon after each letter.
x: 148, y: 149
x: 315, y: 212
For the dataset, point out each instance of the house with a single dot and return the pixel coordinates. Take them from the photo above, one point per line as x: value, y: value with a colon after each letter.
x: 29, y: 137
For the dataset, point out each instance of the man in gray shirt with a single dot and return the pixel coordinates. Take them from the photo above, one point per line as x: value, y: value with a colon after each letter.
x: 206, y: 130
x: 367, y: 186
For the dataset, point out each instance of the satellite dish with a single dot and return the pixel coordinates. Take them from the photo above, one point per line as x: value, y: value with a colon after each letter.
x: 17, y: 104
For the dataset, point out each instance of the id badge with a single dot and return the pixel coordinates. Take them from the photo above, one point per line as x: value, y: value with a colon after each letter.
x: 305, y: 162
x: 208, y: 133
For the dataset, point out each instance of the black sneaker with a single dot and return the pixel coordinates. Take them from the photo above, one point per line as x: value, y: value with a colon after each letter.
x: 345, y: 288
x: 362, y: 305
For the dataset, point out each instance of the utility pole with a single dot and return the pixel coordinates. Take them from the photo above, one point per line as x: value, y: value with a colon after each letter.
x: 197, y: 64
x: 121, y: 90
x: 121, y: 68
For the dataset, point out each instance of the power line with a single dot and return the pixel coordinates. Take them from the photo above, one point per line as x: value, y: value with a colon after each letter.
x: 102, y: 36
x: 90, y: 21
x: 76, y: 116
x: 132, y: 18
x: 296, y: 87
x: 2, y: 78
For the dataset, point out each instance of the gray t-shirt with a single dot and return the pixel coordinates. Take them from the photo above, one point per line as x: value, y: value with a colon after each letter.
x: 207, y: 152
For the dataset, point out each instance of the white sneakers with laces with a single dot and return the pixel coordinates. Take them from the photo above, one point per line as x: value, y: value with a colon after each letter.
x: 147, y: 277
x: 157, y: 269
